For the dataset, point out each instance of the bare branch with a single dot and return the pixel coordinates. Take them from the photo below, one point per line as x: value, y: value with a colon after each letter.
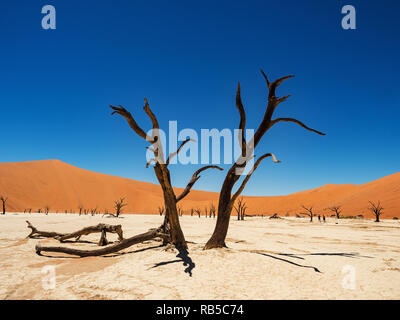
x: 239, y: 191
x: 275, y: 121
x: 193, y: 180
x: 172, y: 155
x: 242, y: 123
x: 131, y: 121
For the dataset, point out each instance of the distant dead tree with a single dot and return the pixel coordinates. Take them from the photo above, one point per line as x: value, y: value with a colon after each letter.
x: 39, y: 210
x: 240, y: 208
x: 30, y: 210
x: 227, y: 197
x: 376, y: 209
x: 46, y: 210
x: 191, y: 212
x: 4, y: 199
x: 119, y: 206
x: 206, y: 211
x: 93, y: 211
x: 212, y: 210
x: 198, y: 211
x: 337, y: 210
x: 180, y: 211
x: 80, y: 209
x: 161, y: 210
x: 309, y: 212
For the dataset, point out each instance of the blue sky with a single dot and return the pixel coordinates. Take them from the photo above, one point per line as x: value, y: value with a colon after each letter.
x: 186, y: 58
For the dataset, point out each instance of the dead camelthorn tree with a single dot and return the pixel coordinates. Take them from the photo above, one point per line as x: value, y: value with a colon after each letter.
x: 80, y: 209
x: 93, y: 211
x: 3, y: 199
x: 337, y: 210
x: 198, y: 211
x: 46, y: 210
x: 309, y: 212
x: 171, y: 225
x: 212, y: 210
x: 119, y: 206
x: 227, y: 197
x: 240, y: 208
x: 376, y: 209
x: 170, y: 231
x: 191, y: 212
x: 161, y: 210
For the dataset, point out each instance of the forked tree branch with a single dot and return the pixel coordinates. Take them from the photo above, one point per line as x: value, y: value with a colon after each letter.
x: 193, y: 180
x: 131, y: 121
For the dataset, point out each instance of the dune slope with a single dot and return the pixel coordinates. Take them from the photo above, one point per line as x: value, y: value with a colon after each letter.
x: 35, y: 184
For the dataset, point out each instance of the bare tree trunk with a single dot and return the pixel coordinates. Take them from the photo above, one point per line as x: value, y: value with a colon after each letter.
x: 226, y: 199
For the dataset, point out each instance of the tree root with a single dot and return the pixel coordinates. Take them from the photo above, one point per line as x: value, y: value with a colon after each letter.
x: 149, y: 235
x: 101, y: 227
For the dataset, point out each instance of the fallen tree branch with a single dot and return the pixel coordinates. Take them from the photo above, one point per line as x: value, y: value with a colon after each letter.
x: 101, y: 227
x: 35, y: 233
x: 149, y: 235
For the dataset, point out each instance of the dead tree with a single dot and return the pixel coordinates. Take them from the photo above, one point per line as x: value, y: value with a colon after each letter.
x: 206, y: 211
x: 119, y: 206
x: 161, y: 210
x: 198, y: 211
x: 180, y: 211
x: 80, y: 209
x: 191, y: 212
x: 170, y: 231
x: 93, y: 211
x: 62, y: 237
x: 212, y: 210
x: 171, y: 223
x: 376, y: 209
x: 46, y: 210
x: 309, y: 212
x: 240, y: 208
x: 227, y: 198
x: 337, y: 210
x: 3, y: 199
x: 39, y: 210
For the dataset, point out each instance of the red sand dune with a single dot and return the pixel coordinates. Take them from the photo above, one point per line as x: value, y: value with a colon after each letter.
x: 61, y: 186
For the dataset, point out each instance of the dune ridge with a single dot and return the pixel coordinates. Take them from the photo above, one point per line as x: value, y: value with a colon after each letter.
x: 61, y: 186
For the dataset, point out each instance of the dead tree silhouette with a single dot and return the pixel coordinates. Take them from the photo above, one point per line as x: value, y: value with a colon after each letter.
x: 3, y: 199
x: 212, y: 210
x: 337, y: 210
x: 226, y: 197
x: 376, y: 209
x: 118, y: 207
x: 309, y: 212
x: 170, y: 231
x: 240, y: 208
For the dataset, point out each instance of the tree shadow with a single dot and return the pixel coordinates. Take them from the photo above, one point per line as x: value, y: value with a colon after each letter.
x: 184, y: 257
x: 288, y: 261
x: 353, y: 255
x: 117, y: 254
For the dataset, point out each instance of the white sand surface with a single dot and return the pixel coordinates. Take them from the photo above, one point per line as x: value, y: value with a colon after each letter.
x: 266, y: 259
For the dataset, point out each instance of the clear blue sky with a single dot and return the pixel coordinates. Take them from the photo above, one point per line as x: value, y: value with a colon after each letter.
x: 186, y: 57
